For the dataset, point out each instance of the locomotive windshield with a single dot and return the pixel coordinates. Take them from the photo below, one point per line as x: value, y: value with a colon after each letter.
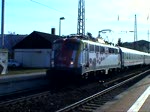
x: 57, y: 46
x: 67, y: 45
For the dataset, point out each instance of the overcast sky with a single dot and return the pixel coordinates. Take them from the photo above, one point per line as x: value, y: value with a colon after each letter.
x: 26, y: 16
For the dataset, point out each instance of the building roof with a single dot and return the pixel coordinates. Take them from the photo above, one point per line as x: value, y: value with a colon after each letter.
x: 37, y: 40
x: 11, y: 40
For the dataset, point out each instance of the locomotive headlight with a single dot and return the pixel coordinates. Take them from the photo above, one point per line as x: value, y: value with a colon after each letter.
x: 52, y: 63
x: 71, y: 63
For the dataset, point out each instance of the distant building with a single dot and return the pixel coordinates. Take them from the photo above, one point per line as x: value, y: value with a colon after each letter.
x: 34, y: 50
x: 11, y: 40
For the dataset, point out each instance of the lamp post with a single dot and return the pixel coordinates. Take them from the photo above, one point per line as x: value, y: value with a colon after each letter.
x: 62, y: 18
x: 2, y: 24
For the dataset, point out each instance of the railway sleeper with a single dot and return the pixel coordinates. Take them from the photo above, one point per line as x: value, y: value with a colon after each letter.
x: 101, y: 101
x: 85, y: 110
x: 92, y: 104
x: 97, y: 102
x: 88, y: 107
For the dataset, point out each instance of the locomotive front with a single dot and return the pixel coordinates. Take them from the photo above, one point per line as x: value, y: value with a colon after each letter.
x: 66, y: 57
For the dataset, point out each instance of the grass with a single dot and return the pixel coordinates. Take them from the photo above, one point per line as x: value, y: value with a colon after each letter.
x: 15, y: 71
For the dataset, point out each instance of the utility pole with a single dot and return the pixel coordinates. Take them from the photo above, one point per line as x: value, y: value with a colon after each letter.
x: 148, y: 33
x: 2, y: 24
x: 135, y: 32
x: 148, y: 40
x: 81, y: 18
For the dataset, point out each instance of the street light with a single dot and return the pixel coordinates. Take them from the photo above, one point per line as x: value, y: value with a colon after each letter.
x: 62, y: 18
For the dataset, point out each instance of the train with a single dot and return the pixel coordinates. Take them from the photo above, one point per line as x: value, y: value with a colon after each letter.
x: 80, y: 57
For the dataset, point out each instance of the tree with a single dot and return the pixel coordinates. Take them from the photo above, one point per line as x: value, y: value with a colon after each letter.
x: 119, y: 42
x: 90, y: 37
x: 89, y: 34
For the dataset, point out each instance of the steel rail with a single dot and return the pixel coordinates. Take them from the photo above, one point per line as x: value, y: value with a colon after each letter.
x: 13, y: 101
x: 81, y: 102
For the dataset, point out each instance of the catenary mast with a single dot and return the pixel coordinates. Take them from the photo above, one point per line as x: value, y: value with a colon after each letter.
x: 81, y: 18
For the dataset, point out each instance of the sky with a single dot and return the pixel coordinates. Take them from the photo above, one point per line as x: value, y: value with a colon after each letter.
x: 26, y: 16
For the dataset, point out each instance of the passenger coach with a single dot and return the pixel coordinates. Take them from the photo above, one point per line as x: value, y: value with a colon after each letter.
x: 131, y: 57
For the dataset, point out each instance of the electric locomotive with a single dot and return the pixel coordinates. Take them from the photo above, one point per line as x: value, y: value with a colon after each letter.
x: 81, y: 57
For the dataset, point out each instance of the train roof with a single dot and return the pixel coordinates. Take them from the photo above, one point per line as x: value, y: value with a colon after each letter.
x: 99, y: 44
x: 86, y: 41
x: 146, y: 54
x: 127, y: 50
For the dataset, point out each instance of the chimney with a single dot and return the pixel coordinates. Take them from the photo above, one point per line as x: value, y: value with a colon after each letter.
x: 53, y: 31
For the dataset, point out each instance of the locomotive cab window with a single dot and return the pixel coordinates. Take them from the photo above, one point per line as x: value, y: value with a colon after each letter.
x: 72, y: 45
x: 67, y: 45
x: 57, y: 46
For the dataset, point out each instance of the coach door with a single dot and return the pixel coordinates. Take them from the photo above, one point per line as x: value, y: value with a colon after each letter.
x: 86, y: 55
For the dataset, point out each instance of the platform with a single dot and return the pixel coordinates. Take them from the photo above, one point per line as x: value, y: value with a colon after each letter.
x: 135, y: 99
x: 15, y: 83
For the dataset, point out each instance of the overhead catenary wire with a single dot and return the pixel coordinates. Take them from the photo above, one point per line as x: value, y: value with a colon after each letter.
x: 75, y: 17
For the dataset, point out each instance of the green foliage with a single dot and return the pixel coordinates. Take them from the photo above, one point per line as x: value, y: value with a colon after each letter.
x: 140, y: 45
x: 119, y: 42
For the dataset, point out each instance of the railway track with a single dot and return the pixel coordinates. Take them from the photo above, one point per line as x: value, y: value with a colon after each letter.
x: 91, y: 103
x: 49, y: 101
x: 24, y: 98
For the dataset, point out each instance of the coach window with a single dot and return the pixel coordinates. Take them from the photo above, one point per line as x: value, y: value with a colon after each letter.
x: 85, y: 46
x: 124, y: 55
x: 106, y: 50
x: 115, y: 51
x: 130, y: 56
x: 127, y: 56
x: 139, y: 56
x: 102, y: 50
x: 96, y: 48
x: 109, y: 50
x: 135, y: 56
x: 112, y: 50
x: 92, y: 48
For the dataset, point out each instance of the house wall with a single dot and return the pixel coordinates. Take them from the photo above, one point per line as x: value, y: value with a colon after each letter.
x: 35, y: 58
